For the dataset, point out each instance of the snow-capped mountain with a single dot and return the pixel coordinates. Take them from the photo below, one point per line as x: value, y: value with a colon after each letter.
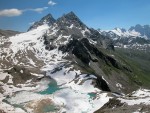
x: 143, y: 30
x: 134, y: 31
x: 120, y: 32
x: 61, y: 65
x: 137, y: 37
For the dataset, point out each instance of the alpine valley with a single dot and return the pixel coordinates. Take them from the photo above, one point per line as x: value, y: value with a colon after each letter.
x: 63, y: 66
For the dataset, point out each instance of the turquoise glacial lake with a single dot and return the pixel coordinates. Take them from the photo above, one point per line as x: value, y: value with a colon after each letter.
x: 52, y: 87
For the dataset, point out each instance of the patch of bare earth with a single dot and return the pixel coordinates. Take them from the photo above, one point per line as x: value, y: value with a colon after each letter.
x: 42, y: 106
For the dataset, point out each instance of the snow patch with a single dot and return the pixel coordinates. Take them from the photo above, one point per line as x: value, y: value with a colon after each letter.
x: 141, y: 96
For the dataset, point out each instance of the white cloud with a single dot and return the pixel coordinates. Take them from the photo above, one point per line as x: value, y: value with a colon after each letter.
x: 10, y: 12
x: 51, y: 3
x: 39, y: 10
x: 17, y: 12
x: 31, y: 23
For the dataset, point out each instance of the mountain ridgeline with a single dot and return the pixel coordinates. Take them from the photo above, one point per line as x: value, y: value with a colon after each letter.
x: 143, y: 30
x: 8, y: 33
x: 136, y: 37
x: 69, y: 24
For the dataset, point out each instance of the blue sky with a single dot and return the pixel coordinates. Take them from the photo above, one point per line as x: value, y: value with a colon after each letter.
x: 103, y: 14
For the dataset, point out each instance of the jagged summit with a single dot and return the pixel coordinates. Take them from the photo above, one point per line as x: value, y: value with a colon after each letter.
x: 65, y: 20
x: 70, y: 14
x: 48, y: 19
x: 120, y: 29
x: 69, y: 24
x: 69, y: 19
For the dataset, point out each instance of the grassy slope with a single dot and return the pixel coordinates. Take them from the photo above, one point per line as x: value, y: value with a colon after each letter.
x: 139, y: 61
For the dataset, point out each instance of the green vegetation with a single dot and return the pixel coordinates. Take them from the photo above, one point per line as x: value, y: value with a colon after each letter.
x: 138, y: 61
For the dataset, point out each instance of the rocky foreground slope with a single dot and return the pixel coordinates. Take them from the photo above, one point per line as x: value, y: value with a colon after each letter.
x: 64, y: 66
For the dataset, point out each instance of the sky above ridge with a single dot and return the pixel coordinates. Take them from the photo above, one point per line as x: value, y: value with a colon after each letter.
x: 104, y: 14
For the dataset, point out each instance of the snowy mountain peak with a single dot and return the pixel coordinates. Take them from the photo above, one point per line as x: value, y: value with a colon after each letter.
x: 143, y: 30
x: 120, y: 29
x: 71, y: 16
x: 48, y: 19
x: 137, y: 31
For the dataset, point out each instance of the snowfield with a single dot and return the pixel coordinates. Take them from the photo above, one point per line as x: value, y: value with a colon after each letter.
x: 141, y: 96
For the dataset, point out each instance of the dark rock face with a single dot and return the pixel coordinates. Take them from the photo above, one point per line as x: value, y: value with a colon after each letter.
x: 93, y: 59
x: 102, y: 84
x: 48, y: 19
x: 48, y: 46
x: 69, y: 19
x: 95, y: 35
x: 77, y: 48
x: 83, y: 50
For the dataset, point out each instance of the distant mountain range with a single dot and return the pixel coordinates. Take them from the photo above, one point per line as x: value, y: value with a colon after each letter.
x: 134, y: 31
x: 8, y: 33
x: 137, y: 37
